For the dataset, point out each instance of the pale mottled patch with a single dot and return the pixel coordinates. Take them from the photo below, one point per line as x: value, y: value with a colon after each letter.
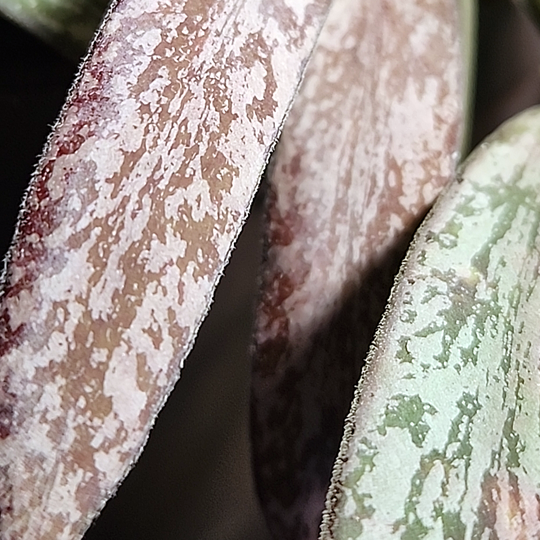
x: 125, y: 231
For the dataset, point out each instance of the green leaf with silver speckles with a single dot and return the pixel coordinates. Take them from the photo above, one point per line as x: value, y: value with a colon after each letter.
x: 443, y: 439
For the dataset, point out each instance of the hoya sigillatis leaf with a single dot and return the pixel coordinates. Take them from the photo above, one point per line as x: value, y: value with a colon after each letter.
x: 443, y: 440
x: 371, y: 140
x: 127, y: 225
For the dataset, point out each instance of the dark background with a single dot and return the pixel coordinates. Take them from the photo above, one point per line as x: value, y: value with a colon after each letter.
x: 193, y: 481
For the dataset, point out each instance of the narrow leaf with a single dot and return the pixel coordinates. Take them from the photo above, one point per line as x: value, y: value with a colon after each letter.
x: 124, y: 232
x: 373, y: 137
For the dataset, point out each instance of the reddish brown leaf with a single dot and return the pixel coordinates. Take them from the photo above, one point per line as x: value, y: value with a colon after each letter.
x: 371, y: 140
x: 125, y: 230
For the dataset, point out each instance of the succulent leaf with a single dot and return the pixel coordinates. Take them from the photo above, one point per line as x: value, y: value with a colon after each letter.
x: 124, y: 233
x: 443, y: 439
x: 371, y: 140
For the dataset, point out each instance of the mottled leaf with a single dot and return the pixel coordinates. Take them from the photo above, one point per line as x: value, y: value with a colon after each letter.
x: 124, y: 232
x: 371, y: 140
x: 443, y: 440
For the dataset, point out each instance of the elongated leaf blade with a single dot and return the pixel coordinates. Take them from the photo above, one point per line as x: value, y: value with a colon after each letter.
x: 372, y: 139
x: 443, y: 440
x: 124, y: 233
